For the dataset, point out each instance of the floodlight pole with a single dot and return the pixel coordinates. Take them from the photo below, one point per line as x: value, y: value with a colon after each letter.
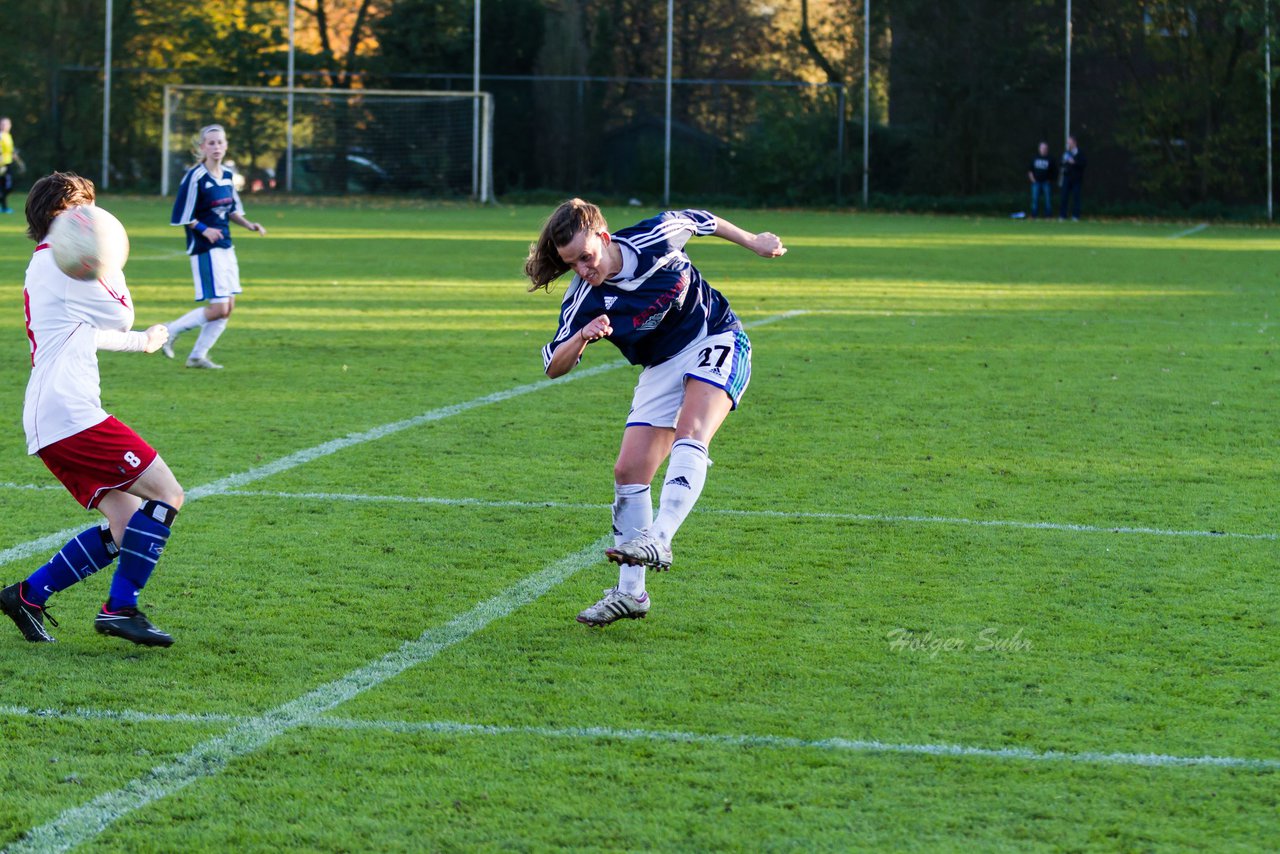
x: 106, y: 104
x: 1266, y: 37
x: 866, y: 103
x: 1067, y: 99
x: 288, y: 122
x: 475, y: 105
x: 666, y: 132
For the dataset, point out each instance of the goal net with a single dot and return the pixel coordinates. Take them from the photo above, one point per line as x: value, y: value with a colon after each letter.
x: 339, y: 142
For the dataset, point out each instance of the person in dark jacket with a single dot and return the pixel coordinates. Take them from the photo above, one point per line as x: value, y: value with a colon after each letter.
x: 1041, y: 173
x: 1073, y: 163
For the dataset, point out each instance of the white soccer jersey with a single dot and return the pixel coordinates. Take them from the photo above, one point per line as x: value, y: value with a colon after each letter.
x: 68, y: 321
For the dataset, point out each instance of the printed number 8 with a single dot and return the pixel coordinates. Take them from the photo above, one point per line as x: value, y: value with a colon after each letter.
x: 132, y: 459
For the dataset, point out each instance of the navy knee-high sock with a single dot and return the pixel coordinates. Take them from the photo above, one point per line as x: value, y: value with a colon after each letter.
x: 143, y: 543
x: 84, y: 555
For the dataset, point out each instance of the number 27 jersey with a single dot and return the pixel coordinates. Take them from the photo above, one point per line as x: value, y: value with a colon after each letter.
x: 658, y: 304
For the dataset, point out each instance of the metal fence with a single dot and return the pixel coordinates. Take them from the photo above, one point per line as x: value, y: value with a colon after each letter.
x: 774, y: 141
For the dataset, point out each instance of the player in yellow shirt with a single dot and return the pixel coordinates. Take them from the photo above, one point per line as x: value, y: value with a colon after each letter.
x: 8, y: 159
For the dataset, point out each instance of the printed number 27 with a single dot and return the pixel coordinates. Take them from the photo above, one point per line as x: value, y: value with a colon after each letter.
x: 706, y: 356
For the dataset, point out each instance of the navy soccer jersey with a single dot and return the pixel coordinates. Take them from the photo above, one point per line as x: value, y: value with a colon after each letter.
x: 658, y: 304
x: 209, y: 200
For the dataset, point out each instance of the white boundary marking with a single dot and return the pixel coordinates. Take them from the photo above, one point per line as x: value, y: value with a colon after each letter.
x: 80, y: 824
x: 842, y: 745
x: 779, y: 514
x: 1190, y: 231
x: 226, y: 484
x: 37, y: 487
x: 776, y: 514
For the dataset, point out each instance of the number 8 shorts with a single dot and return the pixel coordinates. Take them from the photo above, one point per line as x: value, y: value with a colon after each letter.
x: 109, y: 455
x: 722, y: 360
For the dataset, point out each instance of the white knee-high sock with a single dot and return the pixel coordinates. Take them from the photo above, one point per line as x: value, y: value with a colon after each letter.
x: 686, y: 475
x: 632, y: 513
x: 208, y: 336
x: 190, y: 320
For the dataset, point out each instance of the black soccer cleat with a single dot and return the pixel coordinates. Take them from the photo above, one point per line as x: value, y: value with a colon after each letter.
x: 28, y: 617
x: 132, y: 625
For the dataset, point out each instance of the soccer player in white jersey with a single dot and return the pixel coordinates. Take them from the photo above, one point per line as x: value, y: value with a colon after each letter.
x: 637, y: 288
x: 105, y: 465
x: 206, y: 205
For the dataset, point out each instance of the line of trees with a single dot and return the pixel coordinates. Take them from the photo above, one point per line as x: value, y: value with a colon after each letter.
x: 1167, y: 97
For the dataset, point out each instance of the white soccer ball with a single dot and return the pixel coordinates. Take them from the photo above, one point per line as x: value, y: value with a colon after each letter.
x: 88, y: 243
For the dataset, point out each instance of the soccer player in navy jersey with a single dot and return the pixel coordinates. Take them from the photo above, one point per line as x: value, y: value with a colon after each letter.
x: 637, y: 288
x: 103, y: 463
x: 206, y: 205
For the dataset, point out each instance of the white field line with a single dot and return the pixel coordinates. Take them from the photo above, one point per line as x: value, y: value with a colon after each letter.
x: 839, y: 745
x: 773, y: 514
x: 30, y: 486
x: 1190, y: 231
x: 78, y: 825
x: 55, y: 541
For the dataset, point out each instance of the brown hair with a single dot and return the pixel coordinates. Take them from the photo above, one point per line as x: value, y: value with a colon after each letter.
x: 544, y: 264
x: 52, y: 195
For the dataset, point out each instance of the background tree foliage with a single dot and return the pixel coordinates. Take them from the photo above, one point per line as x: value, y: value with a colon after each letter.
x: 1192, y: 80
x: 1167, y: 97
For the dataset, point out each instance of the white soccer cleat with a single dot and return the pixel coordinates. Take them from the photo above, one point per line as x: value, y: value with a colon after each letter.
x: 167, y: 346
x: 203, y: 362
x: 615, y: 605
x: 644, y: 548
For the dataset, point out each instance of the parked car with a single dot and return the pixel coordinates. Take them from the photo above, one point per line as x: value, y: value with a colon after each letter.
x: 318, y: 171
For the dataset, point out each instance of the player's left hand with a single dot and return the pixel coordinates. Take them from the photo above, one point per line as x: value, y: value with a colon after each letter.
x: 769, y: 245
x: 156, y: 336
x: 258, y: 227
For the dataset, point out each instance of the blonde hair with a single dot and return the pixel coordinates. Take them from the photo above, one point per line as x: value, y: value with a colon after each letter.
x: 199, y: 141
x: 544, y: 265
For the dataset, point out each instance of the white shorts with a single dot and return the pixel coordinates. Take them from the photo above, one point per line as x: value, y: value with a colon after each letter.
x: 723, y: 361
x: 216, y: 274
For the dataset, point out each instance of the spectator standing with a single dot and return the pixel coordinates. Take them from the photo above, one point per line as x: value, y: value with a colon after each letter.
x: 1073, y: 163
x: 1041, y: 174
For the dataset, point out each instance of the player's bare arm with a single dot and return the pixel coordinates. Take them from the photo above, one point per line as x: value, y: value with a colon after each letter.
x: 766, y: 244
x: 567, y: 354
x: 239, y: 219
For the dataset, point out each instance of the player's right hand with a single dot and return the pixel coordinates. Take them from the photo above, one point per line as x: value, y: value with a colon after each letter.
x: 156, y: 336
x: 213, y: 235
x: 597, y: 329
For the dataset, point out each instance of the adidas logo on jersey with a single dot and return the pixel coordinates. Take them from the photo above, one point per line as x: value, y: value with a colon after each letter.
x: 608, y: 302
x: 679, y: 481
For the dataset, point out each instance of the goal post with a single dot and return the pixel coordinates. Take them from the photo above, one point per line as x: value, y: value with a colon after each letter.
x: 342, y: 141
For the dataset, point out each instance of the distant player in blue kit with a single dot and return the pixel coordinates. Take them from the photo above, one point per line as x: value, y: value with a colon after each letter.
x: 638, y: 288
x: 206, y: 205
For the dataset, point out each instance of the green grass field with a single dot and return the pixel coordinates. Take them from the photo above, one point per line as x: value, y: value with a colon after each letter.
x: 986, y: 560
